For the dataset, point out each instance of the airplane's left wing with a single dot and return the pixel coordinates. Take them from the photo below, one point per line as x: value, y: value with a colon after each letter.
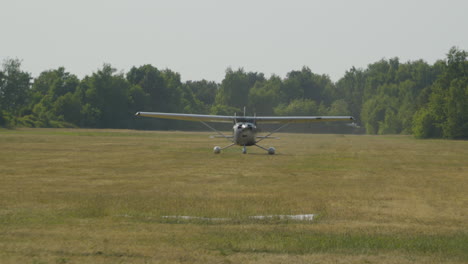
x: 189, y: 117
x: 301, y: 119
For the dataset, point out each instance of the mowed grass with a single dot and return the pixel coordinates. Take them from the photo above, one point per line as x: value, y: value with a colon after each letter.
x: 99, y: 196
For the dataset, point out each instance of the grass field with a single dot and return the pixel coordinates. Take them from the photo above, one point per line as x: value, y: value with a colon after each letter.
x: 99, y: 196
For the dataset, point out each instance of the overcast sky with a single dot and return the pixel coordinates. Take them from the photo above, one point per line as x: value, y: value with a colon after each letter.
x: 201, y: 39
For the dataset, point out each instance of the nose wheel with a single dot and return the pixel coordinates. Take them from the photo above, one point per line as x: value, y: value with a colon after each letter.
x: 244, y: 150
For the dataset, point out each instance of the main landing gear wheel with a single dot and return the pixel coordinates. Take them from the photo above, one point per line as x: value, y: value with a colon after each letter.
x: 271, y: 150
x: 217, y: 150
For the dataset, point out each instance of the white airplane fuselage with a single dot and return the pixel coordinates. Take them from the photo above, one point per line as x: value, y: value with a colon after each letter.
x: 244, y: 134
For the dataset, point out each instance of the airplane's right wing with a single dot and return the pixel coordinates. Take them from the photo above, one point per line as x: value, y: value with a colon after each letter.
x: 189, y: 117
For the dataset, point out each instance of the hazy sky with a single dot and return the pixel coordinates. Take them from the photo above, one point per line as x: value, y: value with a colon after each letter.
x: 200, y: 39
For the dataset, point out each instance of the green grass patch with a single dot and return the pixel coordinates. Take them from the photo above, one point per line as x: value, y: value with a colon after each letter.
x: 282, y: 240
x: 99, y: 196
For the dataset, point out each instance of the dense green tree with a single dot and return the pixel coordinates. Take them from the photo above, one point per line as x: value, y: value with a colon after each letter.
x: 386, y: 97
x: 425, y: 124
x: 189, y: 103
x: 105, y: 97
x: 457, y: 65
x: 54, y: 99
x: 161, y: 91
x: 351, y: 89
x: 265, y: 95
x: 153, y: 89
x: 427, y: 121
x: 14, y: 87
x: 304, y: 84
x: 225, y: 110
x: 373, y: 113
x: 138, y: 99
x: 456, y: 123
x: 298, y: 107
x: 392, y: 93
x: 446, y: 112
x: 174, y: 93
x: 204, y: 91
x: 68, y: 108
x: 378, y: 74
x: 235, y: 88
x: 55, y: 83
x: 339, y: 107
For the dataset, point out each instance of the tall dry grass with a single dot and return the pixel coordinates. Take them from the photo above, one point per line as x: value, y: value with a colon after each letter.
x: 98, y: 196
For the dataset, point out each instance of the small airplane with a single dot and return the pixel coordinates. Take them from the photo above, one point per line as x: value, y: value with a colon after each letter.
x: 245, y: 127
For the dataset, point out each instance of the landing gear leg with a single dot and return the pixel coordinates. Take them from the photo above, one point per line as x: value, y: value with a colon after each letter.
x: 270, y: 150
x: 217, y: 149
x: 244, y: 150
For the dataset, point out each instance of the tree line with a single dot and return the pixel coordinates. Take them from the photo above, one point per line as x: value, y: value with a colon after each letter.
x: 387, y: 97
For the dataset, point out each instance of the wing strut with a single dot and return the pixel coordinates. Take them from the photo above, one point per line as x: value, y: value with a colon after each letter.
x: 274, y: 131
x: 217, y: 131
